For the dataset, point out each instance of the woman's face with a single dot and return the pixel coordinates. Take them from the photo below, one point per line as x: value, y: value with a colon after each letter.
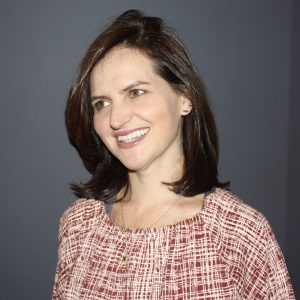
x: 137, y: 114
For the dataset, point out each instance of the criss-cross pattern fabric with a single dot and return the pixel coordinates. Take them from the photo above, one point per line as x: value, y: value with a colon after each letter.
x: 227, y: 251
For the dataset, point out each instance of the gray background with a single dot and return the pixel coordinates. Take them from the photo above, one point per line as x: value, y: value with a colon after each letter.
x: 248, y: 55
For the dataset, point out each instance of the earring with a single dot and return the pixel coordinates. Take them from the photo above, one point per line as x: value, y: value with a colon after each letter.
x: 186, y: 111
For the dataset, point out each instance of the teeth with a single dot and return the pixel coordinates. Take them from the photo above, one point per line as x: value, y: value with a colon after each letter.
x: 131, y: 136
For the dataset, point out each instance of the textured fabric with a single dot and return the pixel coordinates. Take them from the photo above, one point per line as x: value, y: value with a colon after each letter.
x: 227, y: 251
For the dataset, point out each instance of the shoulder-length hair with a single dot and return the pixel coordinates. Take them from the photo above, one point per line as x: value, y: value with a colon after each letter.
x: 149, y: 35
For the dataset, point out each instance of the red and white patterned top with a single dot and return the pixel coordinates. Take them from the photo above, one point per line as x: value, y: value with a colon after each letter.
x: 227, y: 251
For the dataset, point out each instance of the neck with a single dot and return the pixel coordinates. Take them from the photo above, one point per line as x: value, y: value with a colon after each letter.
x: 147, y: 188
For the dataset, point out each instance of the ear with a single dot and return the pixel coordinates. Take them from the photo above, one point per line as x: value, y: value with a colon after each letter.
x: 186, y: 106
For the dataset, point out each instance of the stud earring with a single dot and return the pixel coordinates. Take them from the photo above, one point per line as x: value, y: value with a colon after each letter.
x: 186, y: 111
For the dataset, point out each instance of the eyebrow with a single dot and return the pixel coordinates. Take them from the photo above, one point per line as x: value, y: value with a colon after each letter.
x: 134, y: 84
x: 127, y: 88
x: 93, y: 98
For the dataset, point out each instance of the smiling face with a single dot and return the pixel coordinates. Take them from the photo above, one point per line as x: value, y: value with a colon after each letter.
x: 137, y: 114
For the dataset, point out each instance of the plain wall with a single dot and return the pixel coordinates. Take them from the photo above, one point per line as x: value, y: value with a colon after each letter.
x: 293, y: 228
x: 247, y: 54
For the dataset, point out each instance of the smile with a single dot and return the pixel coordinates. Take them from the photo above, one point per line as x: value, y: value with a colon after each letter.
x: 132, y: 136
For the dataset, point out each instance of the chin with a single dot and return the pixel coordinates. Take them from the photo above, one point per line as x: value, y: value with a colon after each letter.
x: 134, y: 166
x: 135, y: 162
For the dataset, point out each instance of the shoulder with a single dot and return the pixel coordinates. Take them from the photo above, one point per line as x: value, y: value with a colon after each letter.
x: 233, y: 212
x: 235, y: 224
x: 81, y: 213
x: 246, y: 244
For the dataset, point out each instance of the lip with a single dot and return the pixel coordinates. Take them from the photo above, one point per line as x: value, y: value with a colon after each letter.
x: 125, y: 132
x: 136, y: 141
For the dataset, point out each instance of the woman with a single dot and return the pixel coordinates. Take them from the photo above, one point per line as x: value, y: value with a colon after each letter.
x: 154, y: 222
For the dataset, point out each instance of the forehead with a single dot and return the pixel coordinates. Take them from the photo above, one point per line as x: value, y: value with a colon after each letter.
x: 121, y: 64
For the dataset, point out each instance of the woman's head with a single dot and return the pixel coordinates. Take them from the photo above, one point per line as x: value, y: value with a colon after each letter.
x: 149, y: 37
x: 137, y: 114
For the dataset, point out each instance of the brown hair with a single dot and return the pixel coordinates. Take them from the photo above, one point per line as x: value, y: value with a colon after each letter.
x: 200, y: 145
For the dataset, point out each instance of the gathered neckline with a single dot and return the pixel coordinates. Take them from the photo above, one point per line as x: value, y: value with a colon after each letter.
x: 186, y: 221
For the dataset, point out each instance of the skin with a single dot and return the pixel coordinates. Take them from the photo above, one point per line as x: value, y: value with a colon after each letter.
x: 128, y: 96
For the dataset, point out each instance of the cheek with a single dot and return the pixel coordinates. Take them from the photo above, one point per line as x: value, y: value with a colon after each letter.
x: 161, y: 108
x: 99, y: 126
x: 167, y: 114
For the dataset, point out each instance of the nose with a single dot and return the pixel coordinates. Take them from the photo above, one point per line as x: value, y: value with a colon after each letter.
x: 120, y: 114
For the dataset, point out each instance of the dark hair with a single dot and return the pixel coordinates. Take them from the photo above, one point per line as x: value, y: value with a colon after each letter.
x: 149, y: 35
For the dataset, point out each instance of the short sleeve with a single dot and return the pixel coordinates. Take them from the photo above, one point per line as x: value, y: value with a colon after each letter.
x: 67, y: 241
x: 265, y: 274
x: 62, y: 232
x: 74, y: 224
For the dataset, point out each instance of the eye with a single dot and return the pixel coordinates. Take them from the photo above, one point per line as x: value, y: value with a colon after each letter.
x: 100, y: 103
x: 136, y: 93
